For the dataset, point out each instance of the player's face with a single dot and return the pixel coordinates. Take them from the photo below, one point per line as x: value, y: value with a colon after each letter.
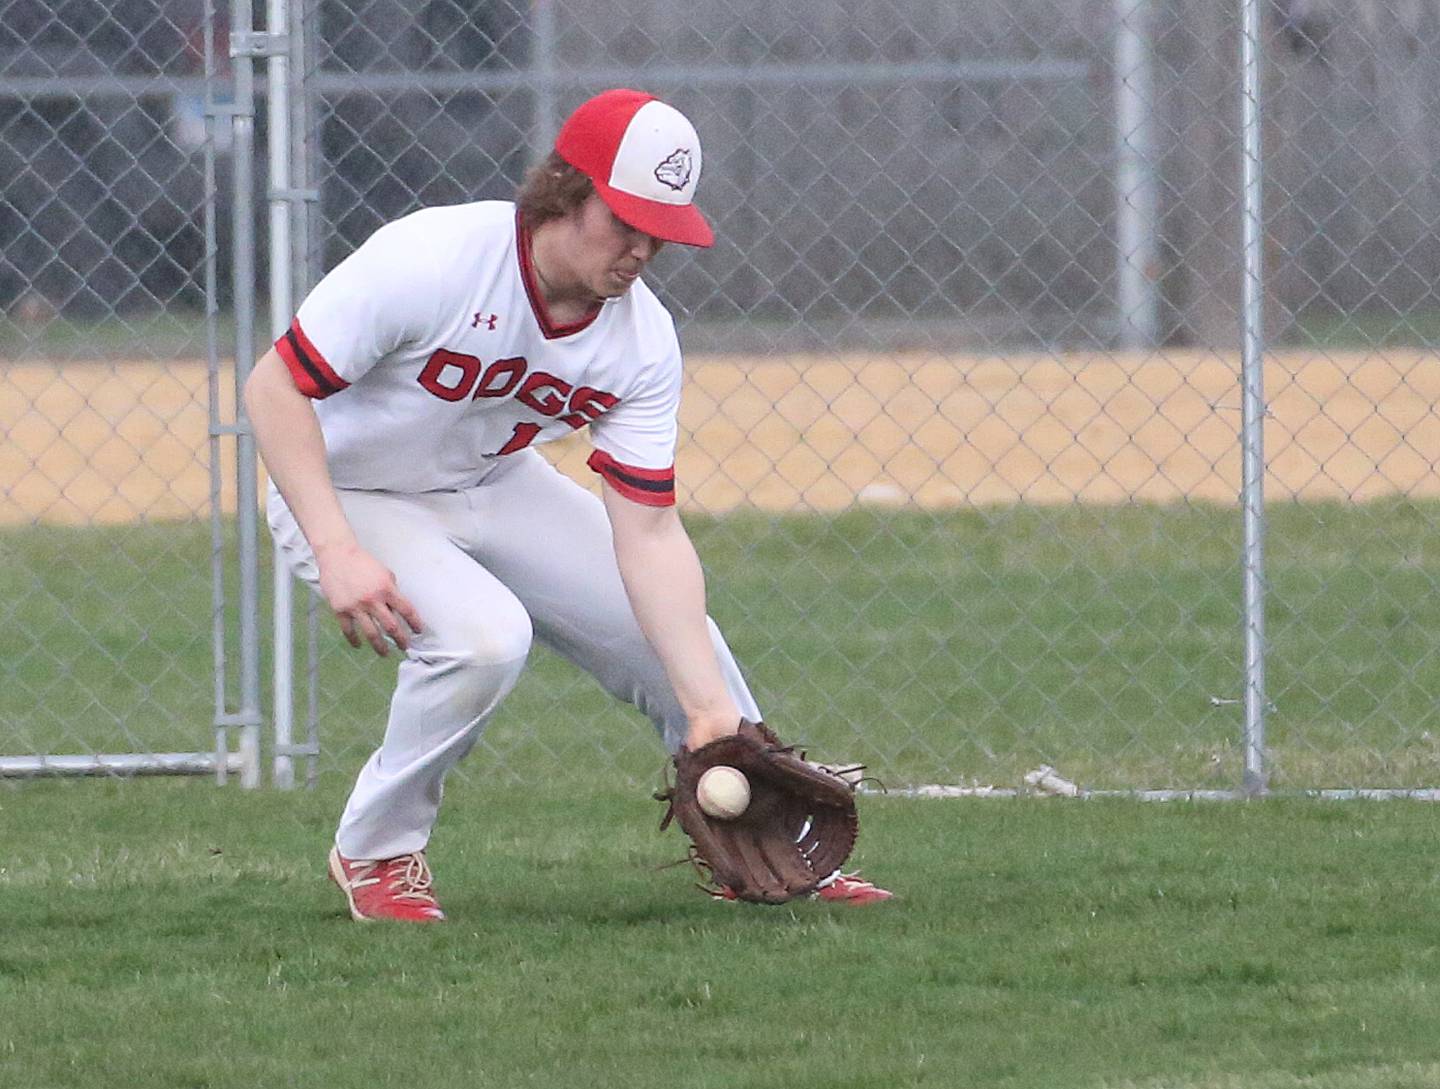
x: 611, y: 254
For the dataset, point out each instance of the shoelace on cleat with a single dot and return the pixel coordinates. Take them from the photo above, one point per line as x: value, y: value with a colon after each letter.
x: 412, y: 882
x: 415, y: 882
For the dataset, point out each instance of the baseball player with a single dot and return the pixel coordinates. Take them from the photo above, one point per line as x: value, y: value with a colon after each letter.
x: 398, y: 419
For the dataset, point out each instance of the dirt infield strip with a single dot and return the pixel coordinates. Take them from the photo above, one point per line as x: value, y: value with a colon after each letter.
x: 111, y: 442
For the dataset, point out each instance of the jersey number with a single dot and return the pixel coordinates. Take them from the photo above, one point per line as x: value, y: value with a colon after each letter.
x: 524, y: 435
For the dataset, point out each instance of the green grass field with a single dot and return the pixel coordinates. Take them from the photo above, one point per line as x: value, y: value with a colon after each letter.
x: 163, y: 933
x: 167, y: 934
x: 960, y: 647
x: 179, y: 333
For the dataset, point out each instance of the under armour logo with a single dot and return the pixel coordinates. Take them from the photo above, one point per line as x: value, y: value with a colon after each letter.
x: 487, y: 321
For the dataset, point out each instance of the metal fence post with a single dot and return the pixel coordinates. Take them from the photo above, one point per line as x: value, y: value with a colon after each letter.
x: 281, y: 200
x: 1136, y: 224
x: 243, y: 46
x: 1253, y: 422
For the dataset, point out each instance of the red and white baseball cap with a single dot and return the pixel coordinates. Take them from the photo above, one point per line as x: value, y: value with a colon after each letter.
x: 644, y: 159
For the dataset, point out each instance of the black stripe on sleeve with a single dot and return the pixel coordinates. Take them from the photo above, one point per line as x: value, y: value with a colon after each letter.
x: 659, y: 487
x: 322, y: 383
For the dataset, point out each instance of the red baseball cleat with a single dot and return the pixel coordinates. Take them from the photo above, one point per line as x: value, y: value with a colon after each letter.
x: 851, y: 888
x: 388, y: 888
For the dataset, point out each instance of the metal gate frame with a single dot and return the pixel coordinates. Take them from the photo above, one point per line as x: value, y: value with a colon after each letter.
x: 238, y: 713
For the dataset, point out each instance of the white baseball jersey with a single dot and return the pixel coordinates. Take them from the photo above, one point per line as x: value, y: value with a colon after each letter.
x: 430, y: 354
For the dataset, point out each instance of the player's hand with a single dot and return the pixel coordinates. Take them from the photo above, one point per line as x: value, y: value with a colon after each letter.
x: 366, y: 601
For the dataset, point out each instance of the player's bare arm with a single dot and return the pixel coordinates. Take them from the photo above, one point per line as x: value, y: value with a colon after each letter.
x: 666, y: 587
x: 360, y: 589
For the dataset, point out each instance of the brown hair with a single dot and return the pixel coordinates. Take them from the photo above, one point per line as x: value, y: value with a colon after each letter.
x: 551, y: 189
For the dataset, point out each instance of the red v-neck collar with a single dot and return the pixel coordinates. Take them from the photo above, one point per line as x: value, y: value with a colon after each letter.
x: 549, y: 328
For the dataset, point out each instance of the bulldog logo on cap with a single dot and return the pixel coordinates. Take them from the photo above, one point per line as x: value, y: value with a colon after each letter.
x: 674, y: 171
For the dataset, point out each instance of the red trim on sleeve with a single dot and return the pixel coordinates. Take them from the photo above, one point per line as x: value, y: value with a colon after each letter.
x: 649, y: 487
x: 311, y: 374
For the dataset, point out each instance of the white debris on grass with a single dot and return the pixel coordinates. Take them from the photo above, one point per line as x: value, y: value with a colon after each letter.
x: 1046, y: 780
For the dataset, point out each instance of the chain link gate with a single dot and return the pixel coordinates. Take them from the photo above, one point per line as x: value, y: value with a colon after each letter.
x: 129, y: 557
x: 963, y: 428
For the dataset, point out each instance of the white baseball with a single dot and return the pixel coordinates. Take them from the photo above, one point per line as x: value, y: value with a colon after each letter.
x: 723, y: 792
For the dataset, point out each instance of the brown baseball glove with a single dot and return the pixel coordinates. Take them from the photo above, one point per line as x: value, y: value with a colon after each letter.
x: 798, y: 829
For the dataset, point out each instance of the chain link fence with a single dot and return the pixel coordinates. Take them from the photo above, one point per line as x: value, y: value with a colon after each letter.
x: 962, y: 434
